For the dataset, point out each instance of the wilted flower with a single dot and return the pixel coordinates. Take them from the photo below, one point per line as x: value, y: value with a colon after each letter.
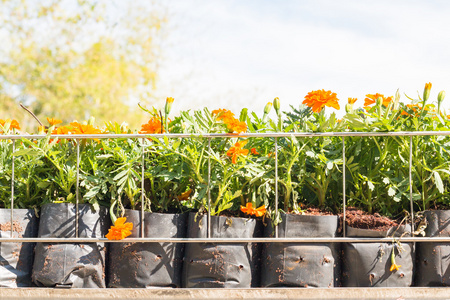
x: 321, y: 98
x: 394, y: 266
x: 185, y: 195
x: 119, y: 230
x: 237, y: 150
x: 249, y: 210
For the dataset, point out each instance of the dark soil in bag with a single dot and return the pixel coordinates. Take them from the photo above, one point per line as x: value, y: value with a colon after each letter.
x: 142, y: 265
x: 77, y: 265
x: 433, y: 259
x: 16, y: 259
x: 369, y: 264
x: 222, y: 265
x: 301, y: 264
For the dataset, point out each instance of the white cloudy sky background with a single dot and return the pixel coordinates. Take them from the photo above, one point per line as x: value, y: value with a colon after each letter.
x: 235, y: 54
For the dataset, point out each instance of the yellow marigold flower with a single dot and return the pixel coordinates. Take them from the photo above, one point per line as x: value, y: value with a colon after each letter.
x: 153, y: 126
x: 321, y: 98
x: 237, y: 150
x: 249, y: 210
x: 53, y: 121
x: 119, y: 230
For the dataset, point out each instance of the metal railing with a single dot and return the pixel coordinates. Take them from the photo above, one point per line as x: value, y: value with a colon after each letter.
x: 209, y: 239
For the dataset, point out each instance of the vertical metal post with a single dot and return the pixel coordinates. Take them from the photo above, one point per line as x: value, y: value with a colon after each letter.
x: 276, y: 186
x: 410, y: 184
x: 344, y: 200
x: 12, y: 185
x: 142, y: 189
x: 209, y: 190
x: 77, y: 187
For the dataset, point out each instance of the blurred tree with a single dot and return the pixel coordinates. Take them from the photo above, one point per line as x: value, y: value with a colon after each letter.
x: 75, y: 59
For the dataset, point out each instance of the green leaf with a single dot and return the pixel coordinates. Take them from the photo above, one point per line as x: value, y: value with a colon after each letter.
x: 27, y: 151
x: 438, y: 182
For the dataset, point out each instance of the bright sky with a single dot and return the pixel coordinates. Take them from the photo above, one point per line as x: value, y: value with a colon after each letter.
x: 235, y: 54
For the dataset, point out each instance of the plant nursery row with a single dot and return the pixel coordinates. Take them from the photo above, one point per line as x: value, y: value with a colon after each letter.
x: 247, y: 185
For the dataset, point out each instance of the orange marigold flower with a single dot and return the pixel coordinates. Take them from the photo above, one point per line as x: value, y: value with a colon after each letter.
x: 415, y: 108
x: 119, y: 230
x: 53, y: 121
x: 223, y: 114
x: 185, y: 195
x: 61, y: 130
x: 152, y: 126
x: 352, y: 100
x: 234, y: 125
x: 371, y: 99
x: 249, y: 210
x: 12, y: 123
x: 237, y: 150
x: 78, y: 128
x: 321, y: 98
x: 253, y: 150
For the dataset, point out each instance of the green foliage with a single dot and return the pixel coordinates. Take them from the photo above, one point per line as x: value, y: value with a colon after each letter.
x: 166, y: 174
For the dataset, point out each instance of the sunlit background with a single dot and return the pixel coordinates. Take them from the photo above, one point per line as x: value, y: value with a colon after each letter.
x: 235, y: 54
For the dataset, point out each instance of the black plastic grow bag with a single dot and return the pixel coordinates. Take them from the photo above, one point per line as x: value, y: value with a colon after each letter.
x: 142, y: 265
x: 368, y: 264
x: 16, y: 259
x: 301, y: 264
x: 433, y: 259
x: 222, y: 265
x: 80, y: 265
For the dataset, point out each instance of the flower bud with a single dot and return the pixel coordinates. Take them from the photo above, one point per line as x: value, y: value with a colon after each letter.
x: 268, y: 108
x: 276, y: 105
x: 379, y: 101
x: 441, y: 96
x: 348, y: 107
x: 426, y: 91
x: 168, y: 106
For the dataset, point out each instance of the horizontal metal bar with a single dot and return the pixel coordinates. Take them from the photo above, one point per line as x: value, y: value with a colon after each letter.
x: 227, y: 240
x: 227, y: 135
